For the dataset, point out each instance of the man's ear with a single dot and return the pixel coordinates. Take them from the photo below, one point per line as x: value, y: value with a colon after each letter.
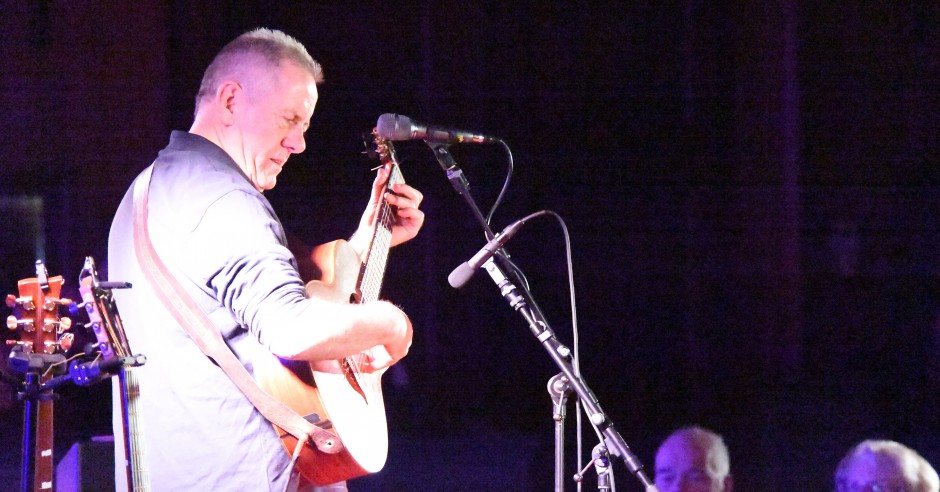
x: 227, y: 98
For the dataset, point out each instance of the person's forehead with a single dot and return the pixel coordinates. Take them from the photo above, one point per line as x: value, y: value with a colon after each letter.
x: 870, y: 466
x: 293, y: 87
x: 682, y: 451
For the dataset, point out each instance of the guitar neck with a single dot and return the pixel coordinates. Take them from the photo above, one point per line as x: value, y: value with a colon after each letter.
x: 112, y: 341
x: 40, y: 348
x: 137, y: 477
x: 38, y: 429
x: 370, y: 283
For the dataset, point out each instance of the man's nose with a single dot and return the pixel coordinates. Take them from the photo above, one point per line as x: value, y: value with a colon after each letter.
x: 294, y: 141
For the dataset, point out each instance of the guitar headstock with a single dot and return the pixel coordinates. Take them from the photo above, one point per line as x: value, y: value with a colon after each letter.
x: 41, y: 329
x: 385, y: 152
x: 103, y: 316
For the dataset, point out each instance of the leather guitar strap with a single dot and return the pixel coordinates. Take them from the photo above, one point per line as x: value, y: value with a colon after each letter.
x: 205, y: 334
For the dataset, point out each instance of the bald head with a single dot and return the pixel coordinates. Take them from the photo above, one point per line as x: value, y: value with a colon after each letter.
x: 693, y: 459
x: 889, y: 464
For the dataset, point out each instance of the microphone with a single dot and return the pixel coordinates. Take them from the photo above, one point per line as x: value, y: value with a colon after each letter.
x: 398, y: 127
x: 461, y: 275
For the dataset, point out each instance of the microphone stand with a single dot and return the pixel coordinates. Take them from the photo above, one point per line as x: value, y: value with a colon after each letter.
x: 602, y: 464
x: 520, y: 299
x: 462, y: 187
x: 562, y: 357
x: 558, y: 390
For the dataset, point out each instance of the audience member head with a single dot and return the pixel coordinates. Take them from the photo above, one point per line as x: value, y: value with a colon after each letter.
x: 885, y: 466
x: 693, y: 459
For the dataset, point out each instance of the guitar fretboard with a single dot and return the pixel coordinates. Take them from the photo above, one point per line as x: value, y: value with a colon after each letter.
x: 130, y: 388
x: 370, y: 284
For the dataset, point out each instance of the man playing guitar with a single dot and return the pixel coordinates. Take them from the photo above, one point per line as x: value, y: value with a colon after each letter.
x: 217, y: 234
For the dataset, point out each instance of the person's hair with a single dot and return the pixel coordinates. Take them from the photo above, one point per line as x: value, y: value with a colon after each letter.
x: 912, y: 467
x: 260, y: 46
x: 706, y: 439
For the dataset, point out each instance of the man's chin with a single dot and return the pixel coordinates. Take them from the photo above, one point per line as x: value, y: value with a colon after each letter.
x: 267, y: 184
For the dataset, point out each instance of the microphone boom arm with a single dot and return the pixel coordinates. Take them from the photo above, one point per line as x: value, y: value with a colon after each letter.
x: 459, y: 182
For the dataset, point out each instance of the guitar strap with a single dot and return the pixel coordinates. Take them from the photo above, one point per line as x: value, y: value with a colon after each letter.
x: 205, y: 334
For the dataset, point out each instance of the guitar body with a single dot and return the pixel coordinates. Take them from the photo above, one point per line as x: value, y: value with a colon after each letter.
x: 350, y: 405
x: 346, y: 401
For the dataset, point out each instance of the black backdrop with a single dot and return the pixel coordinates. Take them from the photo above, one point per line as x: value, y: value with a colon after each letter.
x: 749, y: 186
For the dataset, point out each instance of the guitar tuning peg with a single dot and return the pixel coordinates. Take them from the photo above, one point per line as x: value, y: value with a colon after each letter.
x: 52, y: 303
x: 26, y: 302
x: 13, y: 323
x: 66, y: 341
x: 65, y: 324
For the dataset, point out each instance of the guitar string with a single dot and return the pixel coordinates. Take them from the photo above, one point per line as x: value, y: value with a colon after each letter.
x: 116, y: 341
x: 374, y: 269
x: 372, y: 279
x: 139, y: 471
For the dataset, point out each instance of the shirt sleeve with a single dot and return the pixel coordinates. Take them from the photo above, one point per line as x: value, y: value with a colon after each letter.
x: 237, y: 254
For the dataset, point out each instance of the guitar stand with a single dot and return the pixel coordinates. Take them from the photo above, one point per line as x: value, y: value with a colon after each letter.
x: 32, y: 391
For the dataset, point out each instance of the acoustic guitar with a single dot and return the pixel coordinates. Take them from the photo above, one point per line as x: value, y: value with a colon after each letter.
x: 38, y: 355
x: 336, y: 395
x: 108, y: 328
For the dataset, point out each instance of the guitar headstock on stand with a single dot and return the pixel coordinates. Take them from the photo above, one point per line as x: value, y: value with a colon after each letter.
x: 37, y: 357
x: 104, y: 319
x: 42, y: 332
x: 115, y: 356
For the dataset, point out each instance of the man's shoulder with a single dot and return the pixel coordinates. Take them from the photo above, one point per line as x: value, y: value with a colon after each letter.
x: 187, y: 182
x: 188, y: 169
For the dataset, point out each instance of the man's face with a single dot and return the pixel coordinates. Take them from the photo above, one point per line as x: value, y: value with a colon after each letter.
x: 683, y: 466
x: 271, y: 119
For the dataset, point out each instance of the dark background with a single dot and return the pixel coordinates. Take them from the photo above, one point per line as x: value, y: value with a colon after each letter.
x: 750, y: 189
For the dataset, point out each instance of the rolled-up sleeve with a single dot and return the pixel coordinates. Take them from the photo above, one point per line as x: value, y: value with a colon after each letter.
x: 238, y: 253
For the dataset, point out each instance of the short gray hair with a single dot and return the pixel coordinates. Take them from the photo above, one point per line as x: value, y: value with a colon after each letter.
x: 265, y: 46
x: 914, y: 468
x: 706, y: 439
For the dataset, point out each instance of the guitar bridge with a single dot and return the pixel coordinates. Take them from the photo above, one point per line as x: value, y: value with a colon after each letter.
x: 353, y: 380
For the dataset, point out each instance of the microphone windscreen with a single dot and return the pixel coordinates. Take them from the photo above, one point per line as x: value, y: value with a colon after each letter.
x: 394, y: 127
x: 460, y: 276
